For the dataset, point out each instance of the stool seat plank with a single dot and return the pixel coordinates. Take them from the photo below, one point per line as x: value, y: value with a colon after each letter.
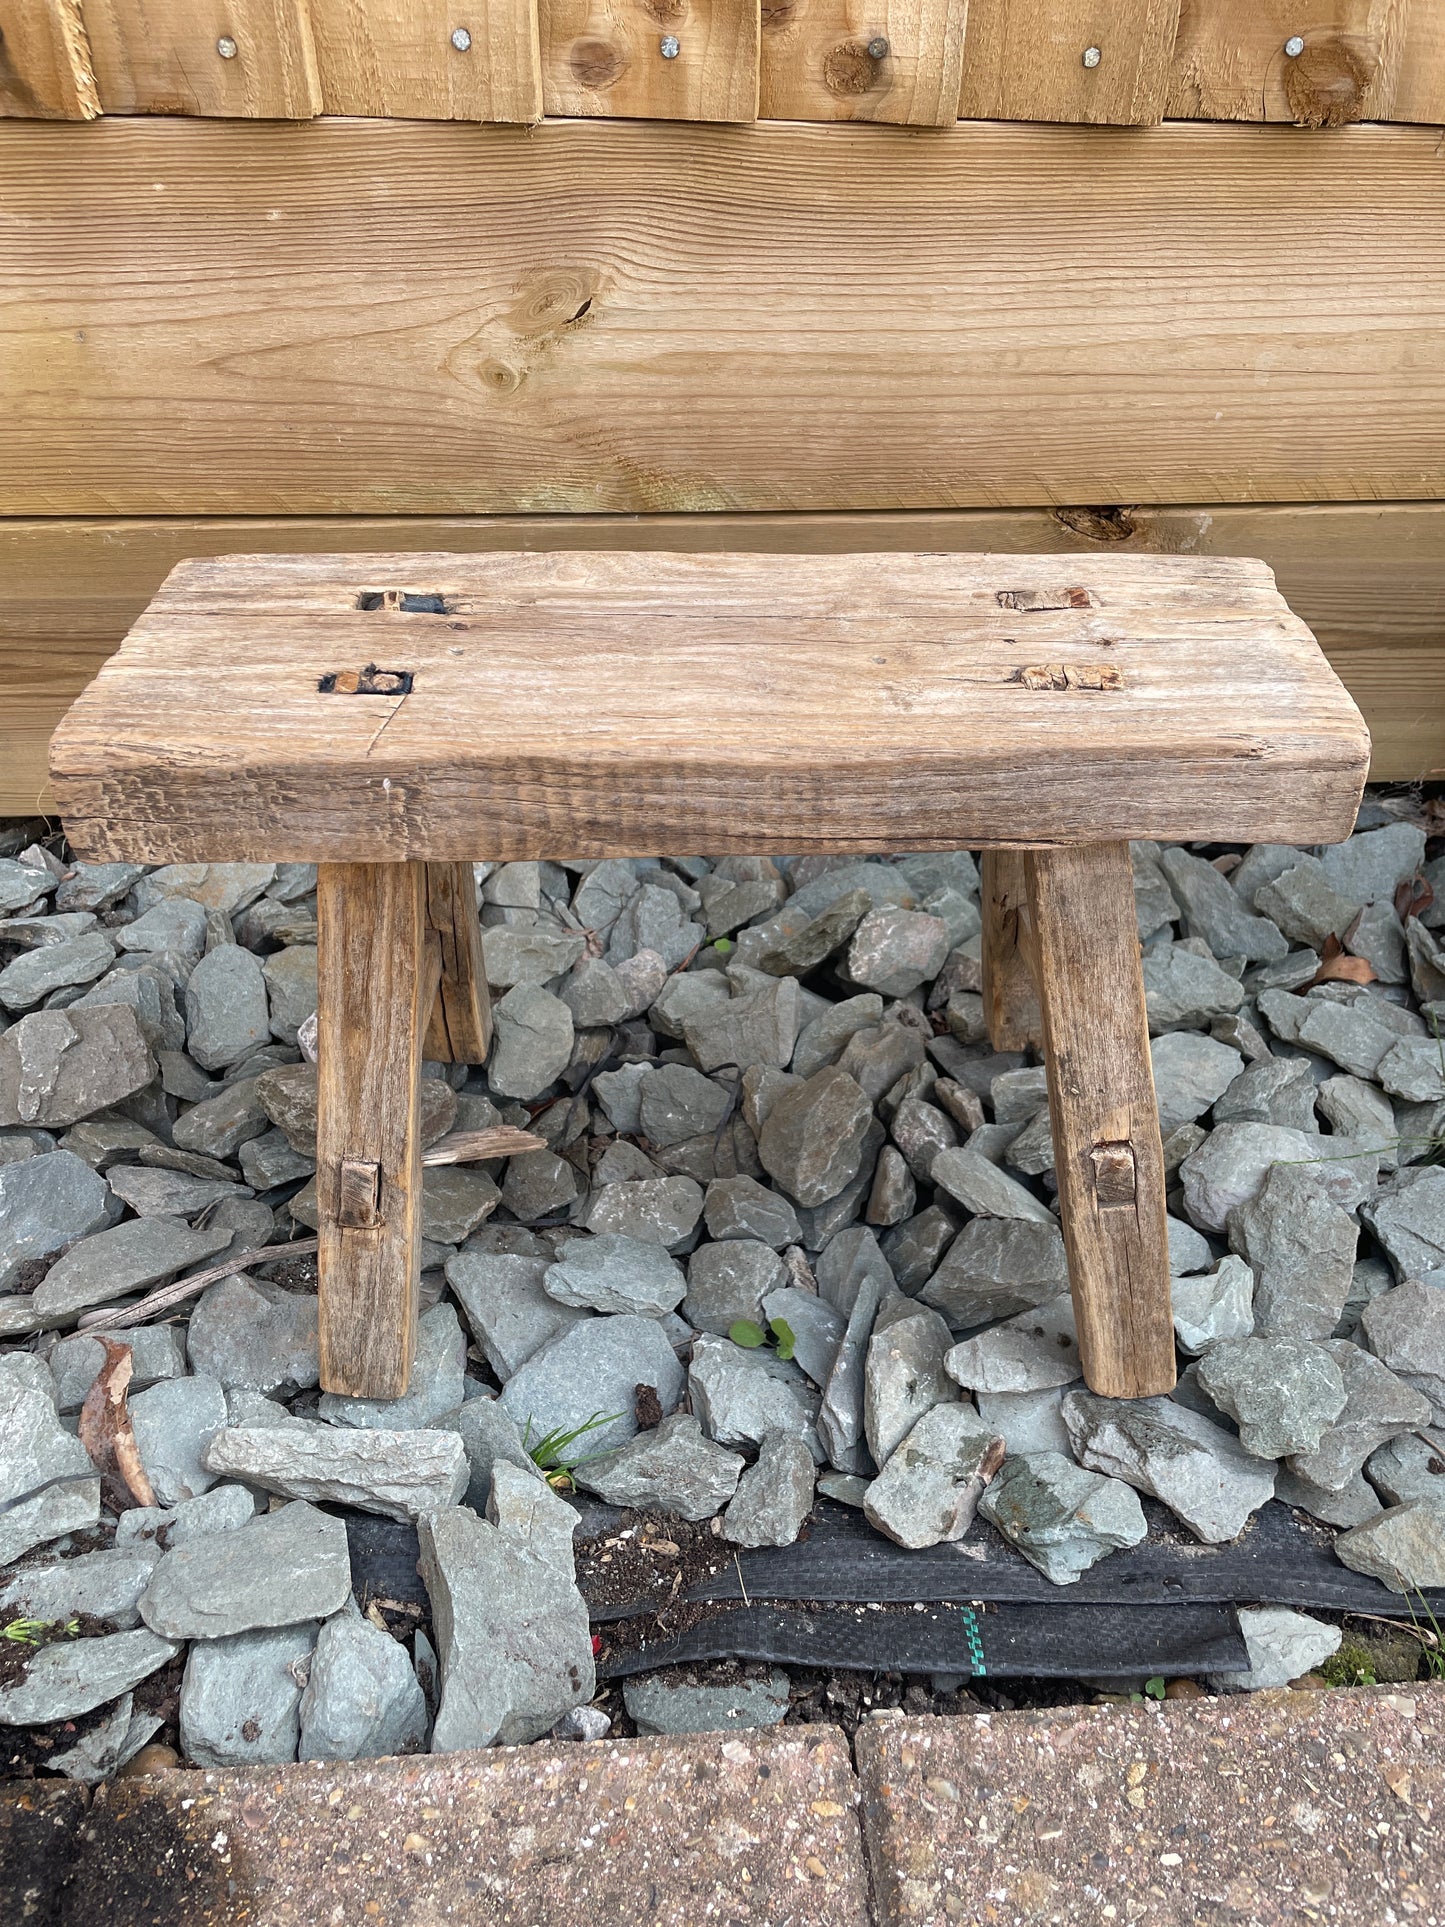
x: 441, y: 707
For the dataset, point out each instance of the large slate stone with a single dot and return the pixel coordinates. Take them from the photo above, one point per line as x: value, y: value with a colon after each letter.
x: 511, y: 1627
x: 1183, y: 991
x: 250, y: 1334
x: 363, y: 1700
x: 227, y: 887
x: 173, y: 1423
x: 218, y: 1126
x: 282, y: 1568
x: 1408, y: 1470
x: 58, y: 1066
x: 979, y: 1186
x: 1230, y: 1167
x: 728, y: 1281
x: 741, y: 1396
x: 1405, y: 1329
x: 812, y: 1140
x: 824, y: 1038
x: 592, y: 1370
x: 1205, y: 1477
x: 227, y: 1014
x: 129, y: 1257
x: 1409, y: 1222
x: 241, y: 1697
x: 677, y: 1103
x: 1378, y: 1406
x: 105, y: 1584
x: 614, y: 1273
x: 176, y: 926
x: 35, y: 974
x: 1062, y: 1518
x: 742, y: 1208
x: 670, y: 1469
x: 1372, y: 865
x: 1404, y: 1548
x: 997, y: 1267
x: 1301, y: 1246
x: 1213, y: 1306
x: 1191, y: 1071
x: 1274, y: 1090
x: 1303, y: 903
x: 1282, y: 1646
x: 665, y: 1210
x: 893, y: 950
x: 438, y: 1372
x: 929, y: 1490
x: 156, y: 1192
x: 396, y: 1474
x: 532, y: 1042
x: 903, y: 1377
x: 74, y: 1676
x: 1027, y: 1421
x: 47, y: 1202
x: 760, y: 1026
x: 1284, y: 1393
x: 507, y: 1305
x: 1027, y: 1353
x: 35, y: 1448
x: 817, y: 1327
x: 854, y: 1277
x: 488, y: 1432
x: 156, y: 1351
x: 1214, y: 910
x: 774, y: 1496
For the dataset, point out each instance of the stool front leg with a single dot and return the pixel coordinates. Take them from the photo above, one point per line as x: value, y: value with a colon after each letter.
x: 1108, y: 1157
x: 377, y: 970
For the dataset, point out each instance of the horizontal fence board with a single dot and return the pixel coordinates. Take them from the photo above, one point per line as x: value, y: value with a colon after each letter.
x: 1369, y: 580
x: 424, y: 317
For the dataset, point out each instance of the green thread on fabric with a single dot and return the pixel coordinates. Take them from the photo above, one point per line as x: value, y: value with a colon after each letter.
x: 974, y: 1635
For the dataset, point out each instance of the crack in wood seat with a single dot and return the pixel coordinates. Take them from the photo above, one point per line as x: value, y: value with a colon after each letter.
x: 393, y: 718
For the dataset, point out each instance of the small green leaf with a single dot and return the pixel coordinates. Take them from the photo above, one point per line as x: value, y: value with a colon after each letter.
x: 723, y: 945
x: 747, y: 1334
x: 783, y: 1333
x: 1155, y: 1687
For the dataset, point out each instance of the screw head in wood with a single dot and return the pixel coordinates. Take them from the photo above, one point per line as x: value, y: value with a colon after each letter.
x: 878, y: 48
x: 226, y: 47
x: 669, y: 46
x: 1294, y: 46
x: 1092, y: 56
x: 461, y: 40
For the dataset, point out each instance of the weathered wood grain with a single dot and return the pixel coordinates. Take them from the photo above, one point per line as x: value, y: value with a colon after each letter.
x: 1103, y: 1116
x: 1034, y: 60
x: 374, y: 986
x: 884, y: 60
x: 597, y: 704
x: 1010, y: 994
x: 45, y: 70
x: 167, y: 57
x: 1368, y: 580
x: 459, y: 1030
x: 398, y: 57
x: 1359, y: 60
x: 213, y: 317
x: 651, y: 59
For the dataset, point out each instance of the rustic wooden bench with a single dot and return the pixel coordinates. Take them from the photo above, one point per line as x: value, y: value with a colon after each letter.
x: 393, y: 718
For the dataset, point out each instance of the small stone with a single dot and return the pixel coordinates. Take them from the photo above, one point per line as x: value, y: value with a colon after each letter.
x: 845, y: 1488
x: 1408, y: 1470
x: 241, y: 1697
x: 1230, y: 1167
x: 921, y: 1131
x: 1282, y: 1646
x: 280, y: 1569
x: 227, y: 1014
x: 728, y: 1281
x: 532, y: 1044
x: 539, y: 1184
x: 154, y: 1192
x: 929, y: 1490
x: 1411, y: 1069
x: 1405, y: 1329
x: 677, y: 1103
x: 613, y: 1273
x: 46, y: 1202
x: 1154, y: 905
x: 1404, y: 1548
x: 1214, y: 911
x: 824, y: 1038
x: 36, y: 1451
x: 663, y: 1210
x: 70, y: 1677
x: 1408, y: 1221
x: 248, y: 1333
x: 1378, y: 1406
x: 641, y: 977
x: 104, y: 1584
x: 1352, y: 1505
x: 488, y: 1433
x: 893, y: 951
x: 511, y: 1627
x: 35, y: 974
x: 1378, y: 938
x: 1301, y: 1248
x: 507, y: 1305
x: 743, y: 1208
x: 227, y: 887
x: 1283, y: 1393
x: 981, y: 1188
x: 1357, y: 1037
x: 758, y: 1027
x: 225, y: 1508
x: 1189, y: 1250
x: 740, y: 1396
x: 904, y: 1378
x: 592, y: 1370
x: 658, y: 1703
x: 915, y: 1248
x: 1184, y: 992
x: 438, y: 1372
x: 817, y: 1329
x: 1202, y: 1474
x: 877, y: 1057
x: 812, y: 1140
x: 288, y: 1096
x: 653, y: 920
x: 362, y: 1700
x: 1213, y: 1307
x: 1027, y: 1353
x: 594, y: 994
x: 1304, y: 905
x: 173, y: 1423
x: 1191, y: 1071
x: 58, y: 1066
x: 853, y: 1276
x: 291, y: 988
x: 1275, y: 1090
x: 455, y: 1199
x: 997, y: 1267
x: 96, y: 886
x: 893, y: 1193
x: 175, y: 927
x: 220, y: 1125
x: 1026, y: 1421
x: 1355, y: 1109
x: 157, y: 1352
x: 1369, y: 868
x: 109, y: 1264
x: 671, y: 1469
x: 798, y: 947
x: 396, y: 1474
x: 516, y: 956
x: 1061, y: 1518
x: 102, y: 1752
x: 774, y: 1496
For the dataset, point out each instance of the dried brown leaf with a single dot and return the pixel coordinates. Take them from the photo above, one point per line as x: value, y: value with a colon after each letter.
x: 1413, y: 898
x: 107, y: 1434
x: 1341, y: 969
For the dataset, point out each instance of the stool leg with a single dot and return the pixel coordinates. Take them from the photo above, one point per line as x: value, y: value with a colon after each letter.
x: 1107, y: 1153
x: 377, y: 970
x: 1010, y: 1001
x: 460, y: 1030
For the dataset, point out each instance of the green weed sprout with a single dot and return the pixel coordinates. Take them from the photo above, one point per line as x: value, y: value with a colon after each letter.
x: 552, y: 1454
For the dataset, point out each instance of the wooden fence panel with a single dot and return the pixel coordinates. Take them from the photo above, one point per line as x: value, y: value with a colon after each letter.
x: 414, y: 60
x: 1101, y: 61
x: 651, y: 59
x: 227, y: 59
x: 45, y: 70
x: 883, y: 60
x: 1318, y: 63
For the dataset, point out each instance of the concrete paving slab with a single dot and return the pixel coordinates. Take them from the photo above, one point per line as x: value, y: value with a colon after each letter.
x: 1296, y: 1807
x: 747, y: 1830
x: 38, y: 1821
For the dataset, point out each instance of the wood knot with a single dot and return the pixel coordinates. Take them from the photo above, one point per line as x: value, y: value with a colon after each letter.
x: 1070, y: 675
x: 666, y: 13
x: 1098, y: 524
x: 850, y: 69
x: 597, y: 63
x: 1325, y: 85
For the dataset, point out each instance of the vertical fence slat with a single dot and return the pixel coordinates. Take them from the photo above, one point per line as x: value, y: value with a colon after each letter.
x: 1101, y: 61
x: 220, y: 59
x: 45, y: 70
x: 651, y: 59
x: 429, y: 59
x: 884, y: 60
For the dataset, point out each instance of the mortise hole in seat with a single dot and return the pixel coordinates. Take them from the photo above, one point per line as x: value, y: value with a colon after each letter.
x: 409, y: 601
x: 370, y: 681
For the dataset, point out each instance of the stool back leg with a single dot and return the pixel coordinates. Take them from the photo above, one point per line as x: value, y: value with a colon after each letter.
x: 1010, y: 999
x: 1108, y: 1157
x: 377, y: 969
x: 460, y: 1031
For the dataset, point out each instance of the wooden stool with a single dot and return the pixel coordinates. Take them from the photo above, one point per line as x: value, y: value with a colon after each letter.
x: 391, y: 718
